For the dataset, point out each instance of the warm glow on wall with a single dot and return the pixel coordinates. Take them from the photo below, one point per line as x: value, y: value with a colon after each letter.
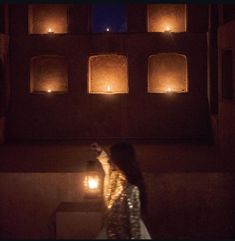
x: 48, y: 74
x: 108, y: 74
x: 167, y: 73
x: 166, y: 18
x: 48, y: 18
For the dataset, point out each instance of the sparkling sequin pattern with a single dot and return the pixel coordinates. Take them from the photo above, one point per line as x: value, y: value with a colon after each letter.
x: 122, y: 203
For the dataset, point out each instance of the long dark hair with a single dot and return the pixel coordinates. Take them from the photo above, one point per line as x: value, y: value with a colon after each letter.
x: 124, y: 157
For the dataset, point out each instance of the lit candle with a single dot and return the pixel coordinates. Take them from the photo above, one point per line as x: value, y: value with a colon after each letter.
x: 169, y: 89
x: 168, y: 30
x: 107, y: 29
x: 50, y: 30
x: 108, y: 88
x: 49, y: 91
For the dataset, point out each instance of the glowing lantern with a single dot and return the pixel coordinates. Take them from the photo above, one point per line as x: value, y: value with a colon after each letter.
x: 92, y: 181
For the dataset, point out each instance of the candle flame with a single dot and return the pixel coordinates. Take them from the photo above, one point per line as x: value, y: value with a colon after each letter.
x: 107, y: 29
x: 92, y: 183
x: 108, y: 88
x: 168, y: 29
x: 169, y: 89
x: 49, y: 91
x: 49, y: 30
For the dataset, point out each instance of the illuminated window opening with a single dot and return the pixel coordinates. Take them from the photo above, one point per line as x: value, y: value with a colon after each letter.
x: 114, y: 19
x: 167, y: 73
x: 166, y: 18
x: 48, y: 74
x: 108, y: 74
x: 48, y: 18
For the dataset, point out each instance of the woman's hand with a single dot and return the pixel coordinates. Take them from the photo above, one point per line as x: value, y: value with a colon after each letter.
x: 96, y: 148
x: 102, y: 157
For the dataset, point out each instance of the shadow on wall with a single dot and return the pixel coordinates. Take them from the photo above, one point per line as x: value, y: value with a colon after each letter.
x: 2, y: 101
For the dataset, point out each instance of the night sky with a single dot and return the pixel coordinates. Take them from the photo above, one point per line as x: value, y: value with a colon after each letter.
x: 112, y: 16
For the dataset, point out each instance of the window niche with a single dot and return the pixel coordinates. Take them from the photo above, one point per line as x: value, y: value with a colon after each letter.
x: 47, y: 18
x: 167, y: 72
x: 48, y: 74
x: 108, y: 74
x: 166, y: 18
x: 114, y: 19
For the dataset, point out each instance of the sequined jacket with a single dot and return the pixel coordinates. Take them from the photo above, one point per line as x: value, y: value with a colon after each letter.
x: 122, y: 219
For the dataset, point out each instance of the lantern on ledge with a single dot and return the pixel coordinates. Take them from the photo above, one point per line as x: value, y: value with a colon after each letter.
x: 92, y: 181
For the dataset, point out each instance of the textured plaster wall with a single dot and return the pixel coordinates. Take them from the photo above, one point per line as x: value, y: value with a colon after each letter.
x: 4, y: 82
x: 29, y: 202
x: 226, y: 115
x: 181, y: 205
x: 191, y: 205
x: 80, y: 115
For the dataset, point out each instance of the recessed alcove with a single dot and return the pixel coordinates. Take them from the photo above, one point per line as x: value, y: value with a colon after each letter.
x: 47, y: 18
x: 167, y: 72
x: 166, y: 17
x: 48, y: 73
x: 108, y: 74
x: 114, y: 19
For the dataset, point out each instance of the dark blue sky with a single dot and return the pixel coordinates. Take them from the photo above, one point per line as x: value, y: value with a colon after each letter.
x: 113, y: 16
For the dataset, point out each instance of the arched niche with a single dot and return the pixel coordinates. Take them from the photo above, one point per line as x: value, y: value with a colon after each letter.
x: 47, y: 18
x: 167, y: 72
x: 108, y: 73
x: 48, y: 73
x: 166, y: 17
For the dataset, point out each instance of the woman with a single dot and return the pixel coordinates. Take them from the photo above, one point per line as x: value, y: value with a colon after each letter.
x: 124, y: 193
